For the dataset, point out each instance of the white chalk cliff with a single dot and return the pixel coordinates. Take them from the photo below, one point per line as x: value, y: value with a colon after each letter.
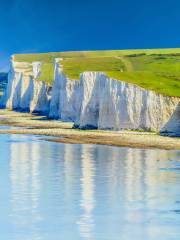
x: 94, y: 101
x: 23, y: 91
x: 65, y: 102
x: 172, y: 127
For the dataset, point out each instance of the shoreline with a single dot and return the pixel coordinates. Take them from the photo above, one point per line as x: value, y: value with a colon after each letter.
x: 64, y: 133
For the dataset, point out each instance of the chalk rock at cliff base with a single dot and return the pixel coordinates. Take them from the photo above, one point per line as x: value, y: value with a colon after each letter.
x: 172, y: 127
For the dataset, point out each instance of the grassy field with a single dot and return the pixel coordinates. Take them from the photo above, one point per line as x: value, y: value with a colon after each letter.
x: 153, y: 69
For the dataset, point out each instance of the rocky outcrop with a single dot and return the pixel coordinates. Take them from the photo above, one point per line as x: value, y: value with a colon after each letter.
x: 23, y: 91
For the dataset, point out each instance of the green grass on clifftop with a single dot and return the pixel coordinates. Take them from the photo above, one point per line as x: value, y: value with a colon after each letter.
x: 157, y: 70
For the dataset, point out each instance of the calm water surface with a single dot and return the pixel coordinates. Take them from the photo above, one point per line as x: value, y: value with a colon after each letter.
x: 52, y: 191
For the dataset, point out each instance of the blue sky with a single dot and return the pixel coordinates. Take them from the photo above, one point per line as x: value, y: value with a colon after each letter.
x: 59, y: 25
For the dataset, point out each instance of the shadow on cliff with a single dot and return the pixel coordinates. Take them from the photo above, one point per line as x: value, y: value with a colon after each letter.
x: 172, y: 127
x: 90, y: 111
x: 16, y: 94
x: 71, y: 110
x: 42, y: 103
x: 27, y: 97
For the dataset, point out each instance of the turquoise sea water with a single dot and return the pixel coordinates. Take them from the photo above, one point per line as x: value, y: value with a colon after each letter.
x: 53, y: 191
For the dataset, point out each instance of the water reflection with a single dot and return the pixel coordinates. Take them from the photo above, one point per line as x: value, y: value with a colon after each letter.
x: 87, y: 201
x: 25, y: 186
x: 62, y: 191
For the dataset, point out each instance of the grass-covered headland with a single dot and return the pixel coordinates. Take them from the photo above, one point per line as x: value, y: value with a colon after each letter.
x: 153, y: 69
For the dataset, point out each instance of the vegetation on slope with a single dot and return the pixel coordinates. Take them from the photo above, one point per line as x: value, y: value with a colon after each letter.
x: 47, y: 73
x: 157, y: 70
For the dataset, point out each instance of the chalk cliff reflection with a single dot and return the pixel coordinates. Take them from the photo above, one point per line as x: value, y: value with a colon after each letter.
x: 25, y: 184
x: 65, y: 191
x: 87, y: 201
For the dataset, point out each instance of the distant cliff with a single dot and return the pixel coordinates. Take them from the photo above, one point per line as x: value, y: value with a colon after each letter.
x: 93, y: 101
x: 23, y: 92
x: 3, y: 82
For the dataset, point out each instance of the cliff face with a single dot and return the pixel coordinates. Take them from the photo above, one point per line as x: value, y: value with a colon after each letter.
x: 119, y: 105
x: 172, y: 127
x: 94, y: 101
x: 23, y: 91
x: 65, y: 102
